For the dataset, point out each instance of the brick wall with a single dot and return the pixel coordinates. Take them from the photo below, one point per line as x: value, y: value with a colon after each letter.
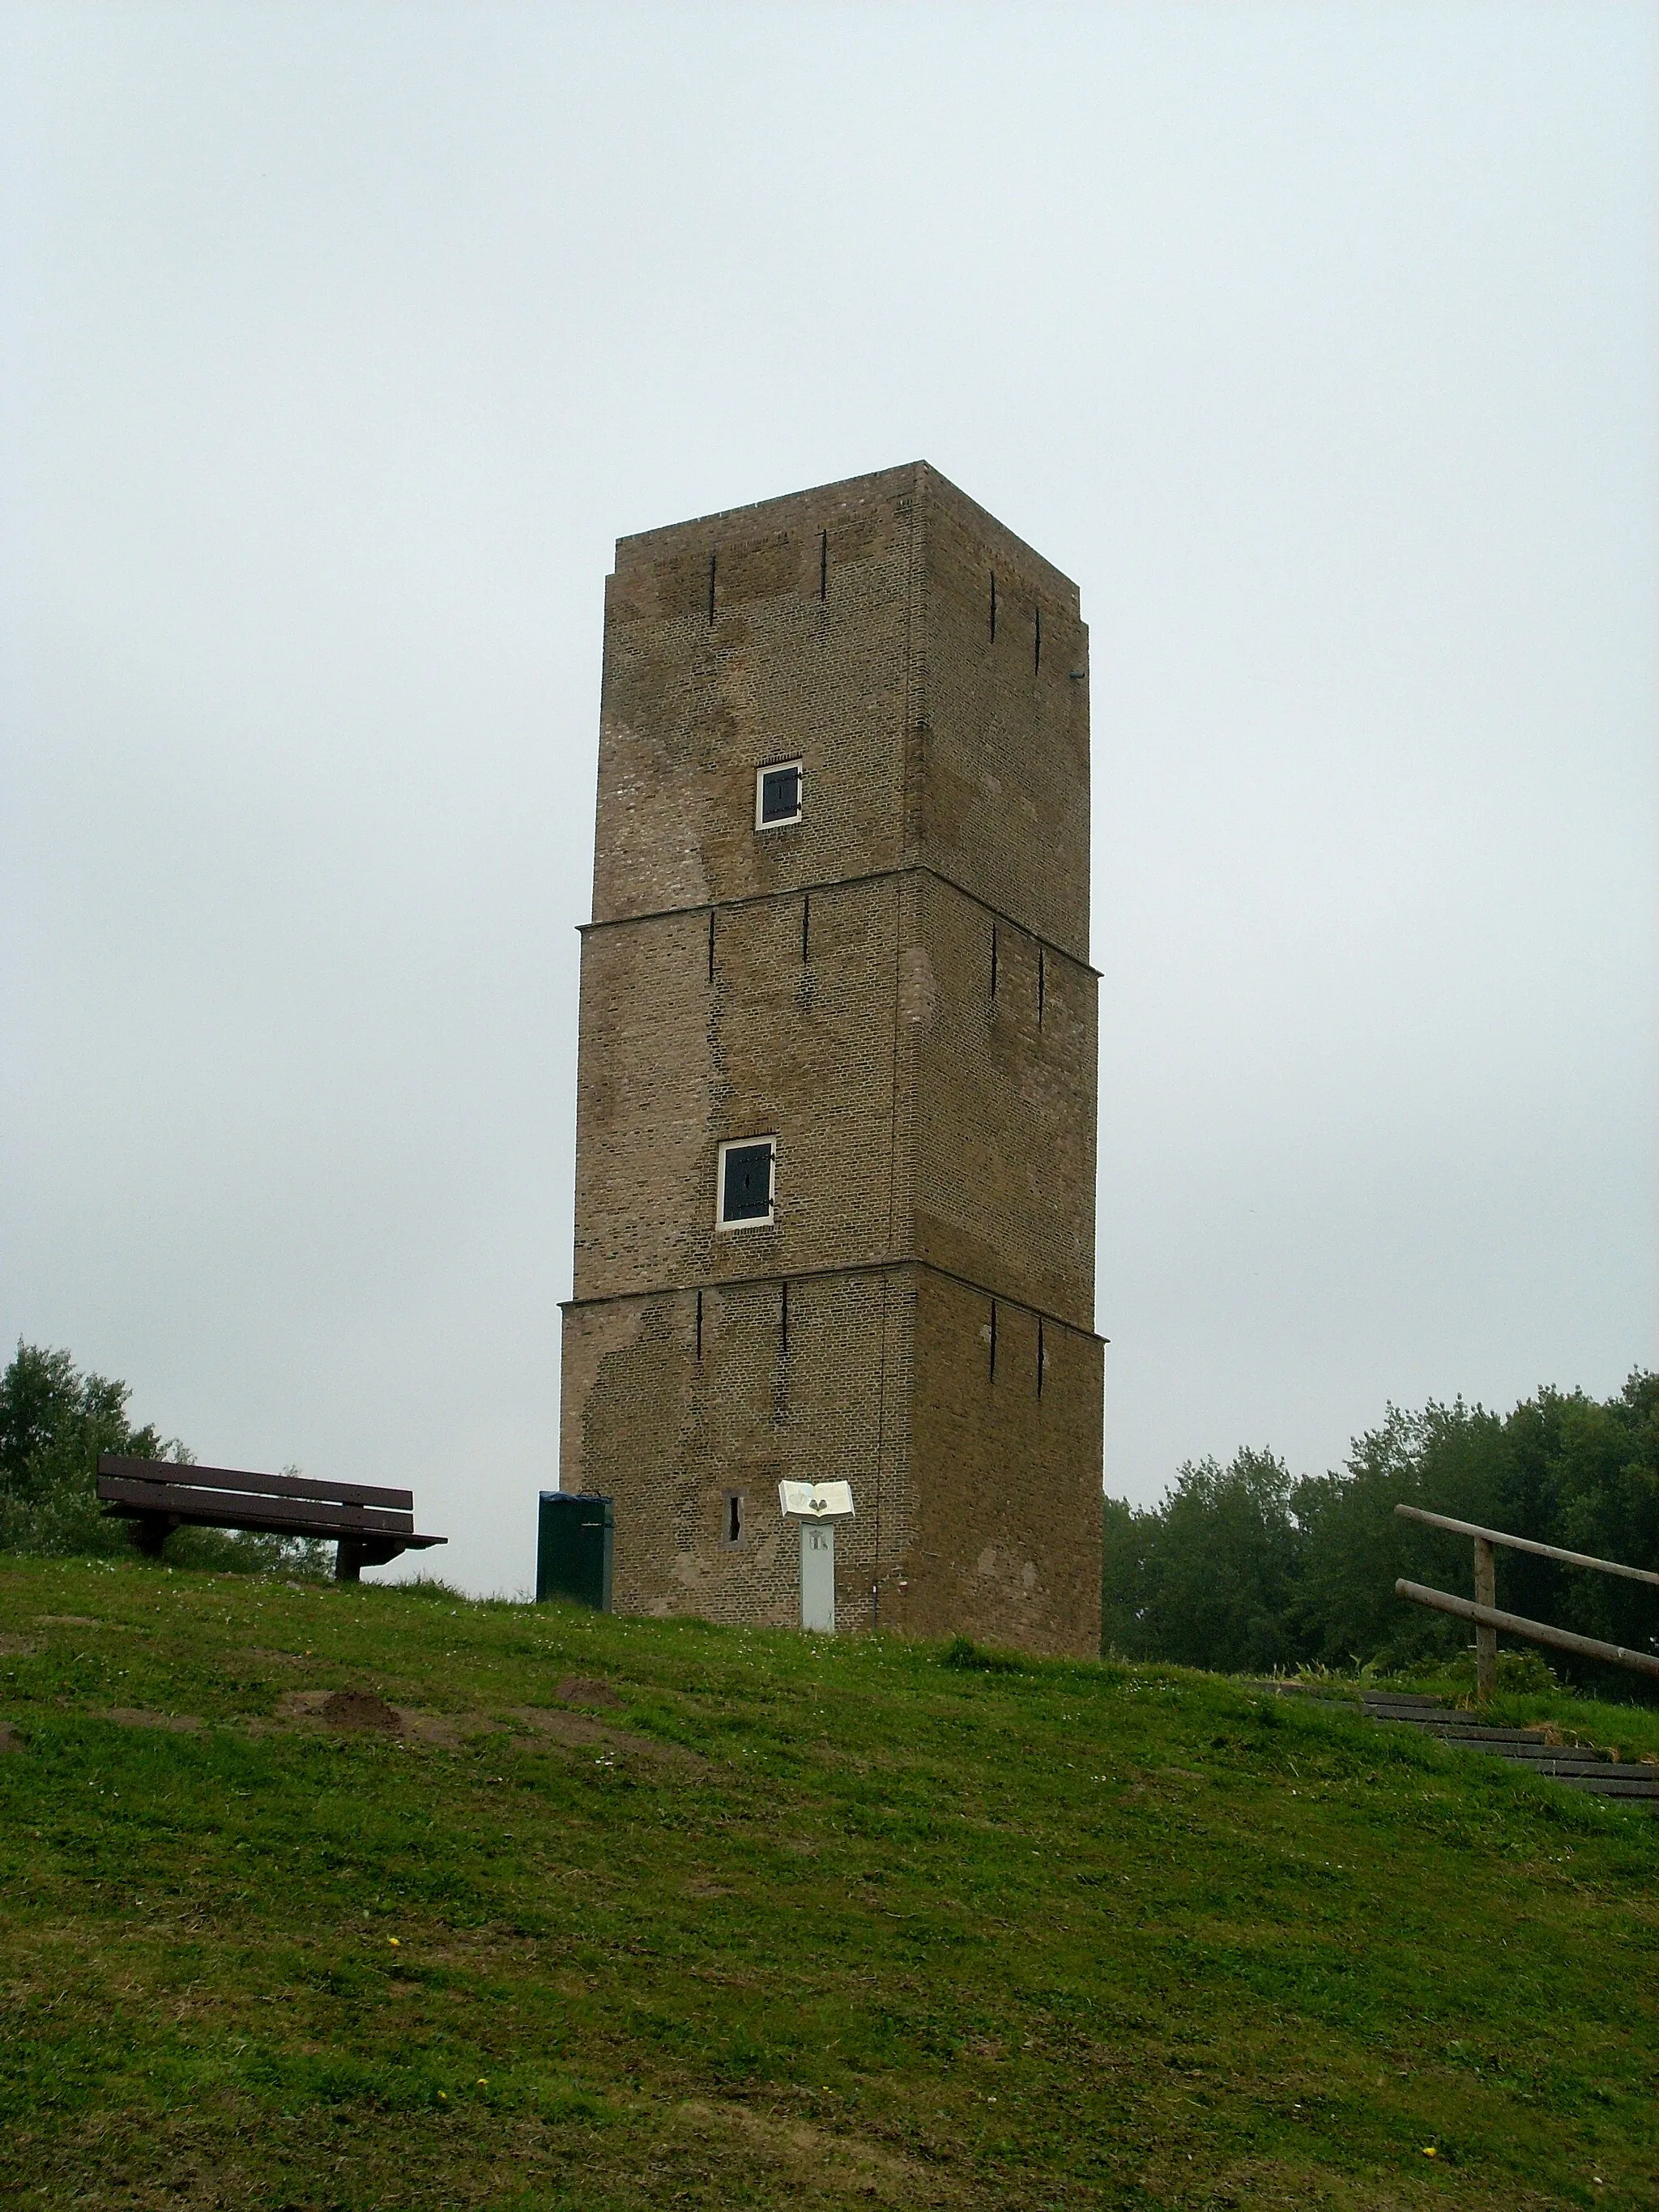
x: 1006, y: 1544
x: 1004, y: 1175
x: 807, y: 654
x: 669, y: 1411
x: 671, y: 1063
x: 1005, y: 717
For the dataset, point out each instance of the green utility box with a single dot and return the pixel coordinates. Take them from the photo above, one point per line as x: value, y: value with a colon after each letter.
x: 573, y: 1549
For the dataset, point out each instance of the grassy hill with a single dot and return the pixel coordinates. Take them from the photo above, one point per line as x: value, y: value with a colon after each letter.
x: 791, y: 1922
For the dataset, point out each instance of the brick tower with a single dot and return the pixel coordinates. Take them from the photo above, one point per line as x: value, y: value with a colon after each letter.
x: 835, y: 1092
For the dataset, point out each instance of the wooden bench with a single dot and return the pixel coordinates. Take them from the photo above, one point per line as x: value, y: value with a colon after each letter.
x: 369, y: 1525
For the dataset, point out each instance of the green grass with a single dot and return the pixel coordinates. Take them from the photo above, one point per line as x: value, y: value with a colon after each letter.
x: 819, y: 1924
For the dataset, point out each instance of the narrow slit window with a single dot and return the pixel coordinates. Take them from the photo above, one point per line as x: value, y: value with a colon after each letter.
x: 806, y: 925
x: 711, y: 943
x: 994, y: 604
x: 824, y: 564
x: 780, y: 791
x: 1042, y: 982
x: 1042, y: 1356
x: 746, y: 1177
x: 1037, y: 643
x: 994, y: 1339
x: 700, y: 1326
x: 993, y: 960
x: 731, y: 1516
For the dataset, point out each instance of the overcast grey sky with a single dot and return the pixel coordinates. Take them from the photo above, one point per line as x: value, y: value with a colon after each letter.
x: 339, y: 343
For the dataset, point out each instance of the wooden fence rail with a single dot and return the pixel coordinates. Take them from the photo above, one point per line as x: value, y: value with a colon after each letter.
x: 1536, y: 1632
x: 1526, y: 1544
x: 1488, y: 1619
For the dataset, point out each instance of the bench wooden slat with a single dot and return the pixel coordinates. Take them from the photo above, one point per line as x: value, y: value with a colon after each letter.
x: 369, y: 1524
x: 259, y: 1485
x: 239, y: 1509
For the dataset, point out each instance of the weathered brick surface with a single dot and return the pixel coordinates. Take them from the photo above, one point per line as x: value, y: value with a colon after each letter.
x: 1004, y: 790
x: 671, y: 1063
x: 690, y: 706
x: 896, y: 989
x: 669, y: 1428
x: 1006, y: 1536
x: 1003, y: 1082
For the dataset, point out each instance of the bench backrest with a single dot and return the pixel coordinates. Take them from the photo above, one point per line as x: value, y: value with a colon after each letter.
x: 162, y: 1486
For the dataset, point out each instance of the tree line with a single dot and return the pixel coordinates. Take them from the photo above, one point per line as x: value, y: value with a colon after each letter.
x: 1245, y: 1568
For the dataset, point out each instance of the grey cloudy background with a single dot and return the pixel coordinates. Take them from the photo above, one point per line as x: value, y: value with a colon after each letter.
x: 340, y: 342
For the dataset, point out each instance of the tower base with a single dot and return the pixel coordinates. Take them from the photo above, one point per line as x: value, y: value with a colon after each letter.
x: 968, y: 1428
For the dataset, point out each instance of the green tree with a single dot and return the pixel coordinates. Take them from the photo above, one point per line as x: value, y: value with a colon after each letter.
x: 1450, y: 1459
x: 54, y: 1422
x: 1584, y: 1475
x: 1209, y: 1578
x: 1129, y: 1536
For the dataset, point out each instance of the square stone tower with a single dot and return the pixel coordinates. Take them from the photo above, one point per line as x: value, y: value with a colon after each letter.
x: 836, y: 1084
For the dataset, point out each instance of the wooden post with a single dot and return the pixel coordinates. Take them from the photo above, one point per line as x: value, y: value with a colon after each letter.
x: 1485, y: 1638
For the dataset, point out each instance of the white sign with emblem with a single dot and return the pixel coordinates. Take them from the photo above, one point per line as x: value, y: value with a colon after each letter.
x: 817, y: 1506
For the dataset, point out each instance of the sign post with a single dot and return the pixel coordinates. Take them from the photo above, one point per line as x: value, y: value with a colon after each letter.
x: 817, y: 1506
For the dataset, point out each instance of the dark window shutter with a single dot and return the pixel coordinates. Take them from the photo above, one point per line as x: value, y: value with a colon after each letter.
x: 780, y: 794
x: 747, y: 1193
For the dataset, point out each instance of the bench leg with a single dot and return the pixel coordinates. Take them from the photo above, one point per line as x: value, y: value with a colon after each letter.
x: 150, y: 1531
x: 353, y: 1554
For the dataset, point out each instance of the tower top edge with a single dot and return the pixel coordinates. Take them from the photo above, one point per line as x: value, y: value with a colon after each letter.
x: 818, y: 506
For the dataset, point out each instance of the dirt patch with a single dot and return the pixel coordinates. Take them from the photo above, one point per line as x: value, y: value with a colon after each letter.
x: 287, y: 1658
x: 810, y: 2154
x: 577, y: 1730
x: 135, y: 1716
x: 16, y: 1647
x: 360, y: 1709
x: 302, y: 1705
x: 66, y: 1621
x: 563, y: 1728
x: 447, y: 1729
x: 585, y: 1690
x: 345, y: 1708
x: 9, y: 1738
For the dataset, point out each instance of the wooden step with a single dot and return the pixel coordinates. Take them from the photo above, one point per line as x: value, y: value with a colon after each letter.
x: 1575, y: 1767
x: 1471, y: 1732
x: 1536, y: 1749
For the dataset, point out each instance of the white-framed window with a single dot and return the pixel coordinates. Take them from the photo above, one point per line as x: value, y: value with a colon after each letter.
x: 745, y: 1183
x: 780, y: 788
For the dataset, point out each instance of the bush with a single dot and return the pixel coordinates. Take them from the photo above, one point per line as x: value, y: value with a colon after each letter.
x: 963, y: 1654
